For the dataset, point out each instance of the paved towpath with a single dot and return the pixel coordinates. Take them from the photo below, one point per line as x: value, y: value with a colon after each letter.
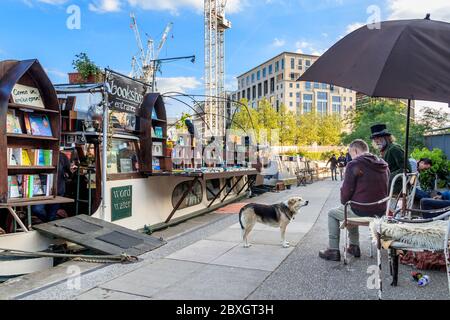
x: 210, y: 263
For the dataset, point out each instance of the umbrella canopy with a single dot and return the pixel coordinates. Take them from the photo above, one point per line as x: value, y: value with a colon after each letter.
x: 405, y: 59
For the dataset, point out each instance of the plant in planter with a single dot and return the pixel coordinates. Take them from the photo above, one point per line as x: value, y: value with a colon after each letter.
x: 439, y: 170
x: 88, y: 71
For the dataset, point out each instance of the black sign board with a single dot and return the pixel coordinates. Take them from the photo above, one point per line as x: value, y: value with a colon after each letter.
x: 126, y: 93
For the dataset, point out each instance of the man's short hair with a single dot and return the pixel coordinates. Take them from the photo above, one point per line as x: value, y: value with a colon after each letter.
x: 359, y: 144
x: 426, y: 161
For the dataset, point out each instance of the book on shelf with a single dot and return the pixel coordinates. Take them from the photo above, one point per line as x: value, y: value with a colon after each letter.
x: 12, y: 122
x: 29, y: 186
x: 158, y: 132
x: 40, y: 125
x: 157, y: 149
x: 154, y: 116
x: 29, y: 157
x: 26, y: 120
x: 156, y: 166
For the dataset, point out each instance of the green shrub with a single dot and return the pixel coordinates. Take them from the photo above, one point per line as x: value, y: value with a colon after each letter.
x: 440, y: 168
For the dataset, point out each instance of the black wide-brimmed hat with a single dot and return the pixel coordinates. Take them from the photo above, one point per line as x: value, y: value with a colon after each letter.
x: 379, y: 130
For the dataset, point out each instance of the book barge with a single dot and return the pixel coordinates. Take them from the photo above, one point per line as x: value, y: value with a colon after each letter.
x: 97, y: 161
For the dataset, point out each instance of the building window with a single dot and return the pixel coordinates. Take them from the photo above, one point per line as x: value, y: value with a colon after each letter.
x: 308, y: 63
x: 331, y: 88
x: 272, y: 85
x: 253, y: 78
x: 316, y: 85
x: 299, y: 67
x: 308, y: 85
x: 248, y: 94
x: 254, y: 92
x: 291, y: 94
x: 351, y: 99
x: 266, y: 87
x: 298, y: 95
x: 336, y: 104
x: 277, y: 66
x: 194, y: 198
x: 281, y: 86
x: 322, y: 102
x: 259, y: 90
x: 248, y: 80
x: 299, y: 109
x: 291, y: 85
x: 292, y: 63
x: 282, y: 64
x: 345, y: 99
x: 307, y: 103
x: 258, y: 75
x: 290, y: 104
x: 292, y: 76
x: 243, y: 94
x: 270, y: 69
x: 298, y: 85
x: 264, y: 72
x: 324, y: 86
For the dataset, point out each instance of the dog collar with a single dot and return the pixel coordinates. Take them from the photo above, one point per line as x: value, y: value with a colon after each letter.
x: 287, y: 209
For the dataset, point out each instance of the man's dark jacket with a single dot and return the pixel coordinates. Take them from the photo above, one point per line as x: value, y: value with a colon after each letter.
x: 366, y: 181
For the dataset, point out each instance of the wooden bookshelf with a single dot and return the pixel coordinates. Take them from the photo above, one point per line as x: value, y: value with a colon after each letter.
x: 29, y: 74
x: 153, y: 103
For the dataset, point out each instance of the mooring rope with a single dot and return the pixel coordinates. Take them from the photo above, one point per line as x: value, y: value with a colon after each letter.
x: 122, y: 258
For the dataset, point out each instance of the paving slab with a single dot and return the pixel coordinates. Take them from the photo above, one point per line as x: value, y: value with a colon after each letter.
x: 154, y: 277
x: 258, y: 256
x: 203, y: 251
x: 270, y: 237
x: 216, y: 283
x: 104, y: 294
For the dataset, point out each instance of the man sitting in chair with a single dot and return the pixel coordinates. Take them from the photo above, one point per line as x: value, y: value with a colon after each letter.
x: 366, y: 181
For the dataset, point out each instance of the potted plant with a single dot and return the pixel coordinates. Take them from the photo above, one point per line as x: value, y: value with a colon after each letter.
x: 87, y: 70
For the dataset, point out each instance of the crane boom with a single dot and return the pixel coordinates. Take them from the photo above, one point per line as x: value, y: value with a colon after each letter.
x: 134, y: 26
x: 163, y: 39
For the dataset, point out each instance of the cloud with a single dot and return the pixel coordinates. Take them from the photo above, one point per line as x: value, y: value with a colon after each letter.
x: 417, y: 9
x: 103, y: 6
x: 278, y: 42
x: 307, y: 48
x: 179, y: 84
x: 173, y: 6
x: 354, y: 26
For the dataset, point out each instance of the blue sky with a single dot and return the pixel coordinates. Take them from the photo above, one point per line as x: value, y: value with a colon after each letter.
x: 261, y: 29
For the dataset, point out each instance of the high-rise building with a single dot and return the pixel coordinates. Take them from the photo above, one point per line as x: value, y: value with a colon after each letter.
x: 276, y: 81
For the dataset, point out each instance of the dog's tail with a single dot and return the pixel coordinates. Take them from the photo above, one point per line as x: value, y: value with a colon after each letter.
x: 240, y: 218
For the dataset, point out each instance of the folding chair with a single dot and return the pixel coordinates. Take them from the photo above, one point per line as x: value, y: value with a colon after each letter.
x: 397, y: 245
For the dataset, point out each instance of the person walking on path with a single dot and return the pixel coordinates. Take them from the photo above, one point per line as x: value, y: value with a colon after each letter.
x: 366, y: 181
x: 333, y: 167
x: 391, y: 152
x: 342, y: 163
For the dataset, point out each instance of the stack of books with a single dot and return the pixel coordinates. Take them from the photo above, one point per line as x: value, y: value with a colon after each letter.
x: 29, y: 157
x: 29, y: 186
x: 156, y: 166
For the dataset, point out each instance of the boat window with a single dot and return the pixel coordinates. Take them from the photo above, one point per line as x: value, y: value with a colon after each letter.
x: 122, y: 156
x: 194, y: 197
x: 212, y: 186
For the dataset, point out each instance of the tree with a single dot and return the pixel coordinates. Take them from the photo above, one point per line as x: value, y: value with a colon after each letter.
x: 245, y: 118
x: 393, y: 114
x: 308, y: 128
x: 329, y: 131
x: 434, y: 119
x: 288, y: 126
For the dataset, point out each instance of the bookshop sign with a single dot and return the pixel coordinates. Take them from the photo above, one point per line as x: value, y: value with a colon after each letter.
x: 126, y: 94
x: 121, y: 200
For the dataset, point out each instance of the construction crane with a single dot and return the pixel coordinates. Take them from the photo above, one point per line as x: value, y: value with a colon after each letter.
x: 142, y: 66
x: 215, y: 26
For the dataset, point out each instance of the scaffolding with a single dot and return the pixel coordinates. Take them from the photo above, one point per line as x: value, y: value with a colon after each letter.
x: 215, y: 103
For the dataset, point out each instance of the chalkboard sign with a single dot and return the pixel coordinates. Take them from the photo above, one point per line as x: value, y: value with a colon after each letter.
x: 121, y: 201
x: 126, y: 94
x: 26, y: 95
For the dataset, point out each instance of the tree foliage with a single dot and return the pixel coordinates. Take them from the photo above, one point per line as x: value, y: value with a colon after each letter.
x: 393, y: 114
x: 293, y: 129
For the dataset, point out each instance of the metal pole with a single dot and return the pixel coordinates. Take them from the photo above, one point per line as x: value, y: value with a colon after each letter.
x: 406, y: 159
x: 104, y: 149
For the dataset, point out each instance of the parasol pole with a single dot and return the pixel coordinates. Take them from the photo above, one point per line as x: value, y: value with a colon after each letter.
x: 406, y: 159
